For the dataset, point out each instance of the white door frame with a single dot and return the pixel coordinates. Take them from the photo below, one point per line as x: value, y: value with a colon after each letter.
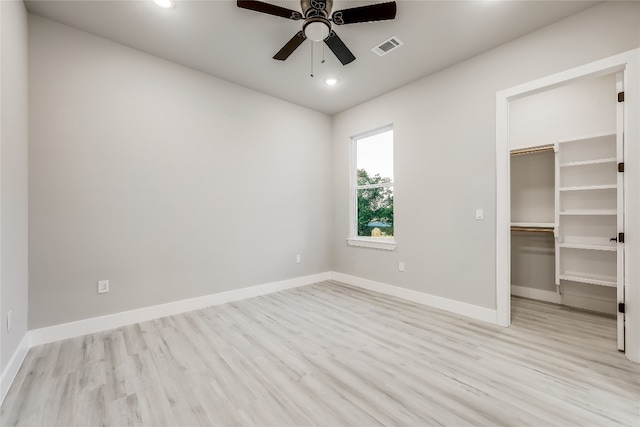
x: 629, y: 62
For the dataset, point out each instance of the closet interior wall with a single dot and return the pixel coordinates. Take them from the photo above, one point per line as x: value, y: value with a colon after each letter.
x: 572, y: 111
x: 532, y: 208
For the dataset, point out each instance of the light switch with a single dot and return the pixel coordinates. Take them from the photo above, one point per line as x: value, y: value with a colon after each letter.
x: 479, y: 213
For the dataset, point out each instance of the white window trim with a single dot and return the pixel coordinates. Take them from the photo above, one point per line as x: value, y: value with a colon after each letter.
x: 364, y: 242
x: 353, y: 239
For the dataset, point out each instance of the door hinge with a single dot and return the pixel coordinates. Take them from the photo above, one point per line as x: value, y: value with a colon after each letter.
x: 621, y: 167
x: 621, y: 237
x: 621, y: 307
x: 620, y: 96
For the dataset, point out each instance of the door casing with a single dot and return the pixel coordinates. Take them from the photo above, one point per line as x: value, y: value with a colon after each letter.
x: 629, y: 64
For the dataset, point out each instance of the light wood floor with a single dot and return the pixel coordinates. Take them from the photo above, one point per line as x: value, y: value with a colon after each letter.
x: 329, y: 354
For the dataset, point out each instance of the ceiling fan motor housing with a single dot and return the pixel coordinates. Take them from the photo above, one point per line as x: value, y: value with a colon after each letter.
x: 316, y: 8
x: 316, y: 25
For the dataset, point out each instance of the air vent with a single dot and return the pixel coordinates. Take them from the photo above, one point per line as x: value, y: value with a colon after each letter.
x: 387, y: 46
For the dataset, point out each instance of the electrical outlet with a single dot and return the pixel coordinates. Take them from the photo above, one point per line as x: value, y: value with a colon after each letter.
x: 9, y: 320
x: 401, y: 266
x: 298, y: 259
x: 103, y: 286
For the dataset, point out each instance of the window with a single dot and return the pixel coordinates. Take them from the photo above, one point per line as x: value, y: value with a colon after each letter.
x: 372, y: 190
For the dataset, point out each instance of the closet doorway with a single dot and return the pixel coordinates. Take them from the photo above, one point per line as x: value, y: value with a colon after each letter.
x: 560, y: 209
x: 567, y: 196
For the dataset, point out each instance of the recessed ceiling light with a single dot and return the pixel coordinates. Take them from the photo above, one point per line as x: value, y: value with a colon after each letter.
x: 167, y: 4
x: 331, y: 81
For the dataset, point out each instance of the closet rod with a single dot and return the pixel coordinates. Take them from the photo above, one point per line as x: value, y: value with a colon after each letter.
x: 534, y: 229
x: 532, y: 150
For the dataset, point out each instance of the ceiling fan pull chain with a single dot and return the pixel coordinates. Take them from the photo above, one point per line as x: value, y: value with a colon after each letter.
x: 322, y: 62
x: 311, y: 59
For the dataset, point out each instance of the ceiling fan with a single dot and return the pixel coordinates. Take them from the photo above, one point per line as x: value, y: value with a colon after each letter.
x: 317, y: 22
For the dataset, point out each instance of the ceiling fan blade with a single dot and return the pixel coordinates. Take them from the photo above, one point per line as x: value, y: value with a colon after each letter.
x: 291, y: 45
x: 370, y: 13
x: 339, y: 49
x: 270, y: 9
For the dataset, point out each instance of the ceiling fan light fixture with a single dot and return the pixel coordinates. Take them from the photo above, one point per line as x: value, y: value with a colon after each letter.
x: 316, y: 30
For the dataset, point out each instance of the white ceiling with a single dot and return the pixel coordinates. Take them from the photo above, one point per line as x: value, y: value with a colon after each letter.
x: 237, y: 45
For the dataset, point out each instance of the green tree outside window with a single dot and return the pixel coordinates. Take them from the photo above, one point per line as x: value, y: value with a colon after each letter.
x: 375, y: 206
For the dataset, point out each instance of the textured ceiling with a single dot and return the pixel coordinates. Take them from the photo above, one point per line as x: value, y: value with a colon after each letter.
x: 237, y: 45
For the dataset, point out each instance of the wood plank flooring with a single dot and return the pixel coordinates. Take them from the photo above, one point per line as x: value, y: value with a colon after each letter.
x: 333, y: 355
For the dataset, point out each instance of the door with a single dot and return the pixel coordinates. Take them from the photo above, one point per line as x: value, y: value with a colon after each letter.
x: 620, y: 210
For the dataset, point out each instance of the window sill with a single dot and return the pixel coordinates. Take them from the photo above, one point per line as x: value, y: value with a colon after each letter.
x: 388, y: 245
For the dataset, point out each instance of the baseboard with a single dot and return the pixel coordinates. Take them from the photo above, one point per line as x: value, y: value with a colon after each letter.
x: 12, y: 368
x: 117, y: 320
x: 570, y: 299
x: 590, y: 303
x: 452, y: 306
x: 536, y: 294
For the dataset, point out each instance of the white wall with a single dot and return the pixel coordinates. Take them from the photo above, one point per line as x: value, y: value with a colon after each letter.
x: 13, y: 177
x: 445, y: 156
x: 169, y: 183
x: 579, y: 109
x: 533, y: 187
x: 533, y: 200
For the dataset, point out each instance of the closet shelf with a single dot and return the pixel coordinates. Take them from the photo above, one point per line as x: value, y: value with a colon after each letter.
x: 589, y: 212
x: 532, y: 150
x: 592, y: 136
x: 589, y: 162
x: 533, y: 224
x: 534, y: 229
x: 587, y: 247
x: 589, y: 187
x: 592, y: 279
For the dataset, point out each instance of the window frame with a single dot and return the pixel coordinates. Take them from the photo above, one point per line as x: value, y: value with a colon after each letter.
x: 353, y: 239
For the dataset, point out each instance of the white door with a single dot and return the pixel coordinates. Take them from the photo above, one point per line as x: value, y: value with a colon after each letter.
x: 620, y: 209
